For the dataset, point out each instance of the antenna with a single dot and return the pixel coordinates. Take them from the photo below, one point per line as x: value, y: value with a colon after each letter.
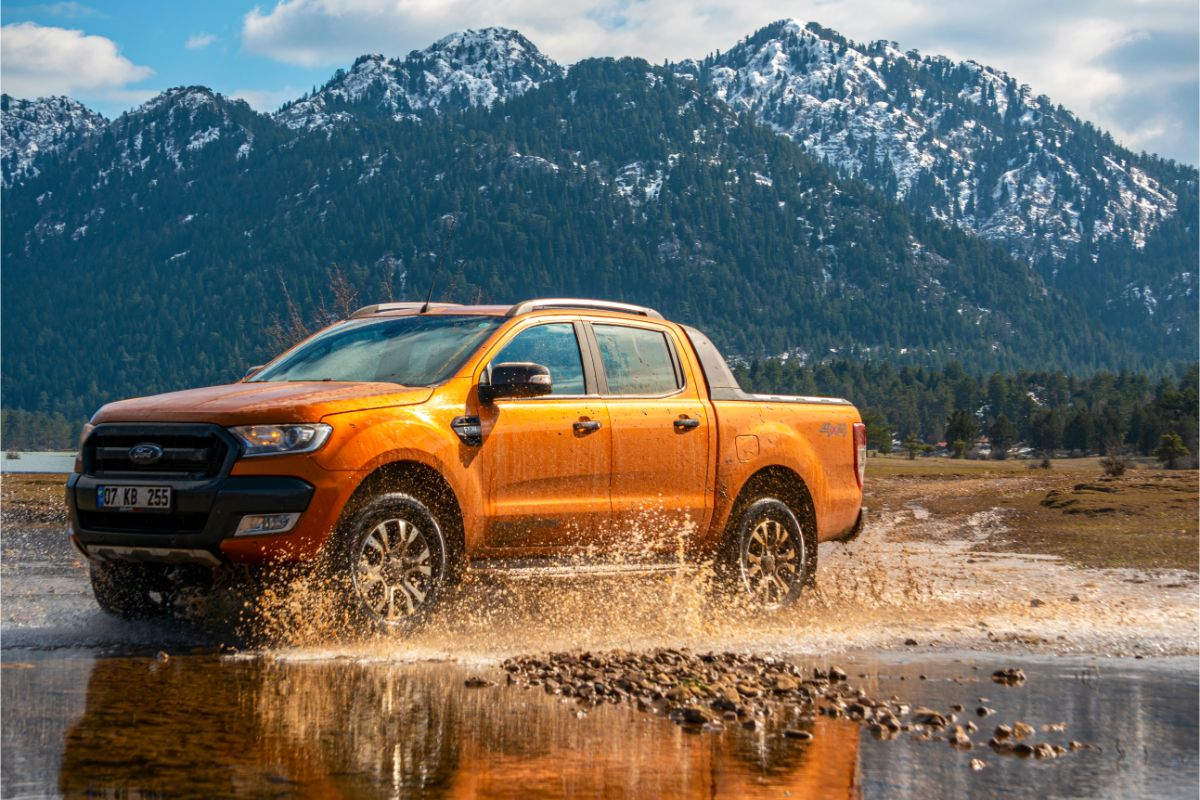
x: 446, y: 239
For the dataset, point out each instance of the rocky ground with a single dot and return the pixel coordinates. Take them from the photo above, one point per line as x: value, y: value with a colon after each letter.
x: 710, y: 692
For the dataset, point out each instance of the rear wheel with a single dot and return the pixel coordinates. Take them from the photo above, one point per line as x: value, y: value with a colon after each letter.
x: 393, y: 565
x: 769, y: 556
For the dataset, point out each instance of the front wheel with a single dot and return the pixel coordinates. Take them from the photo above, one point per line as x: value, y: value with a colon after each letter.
x: 769, y: 557
x: 132, y: 590
x: 393, y: 566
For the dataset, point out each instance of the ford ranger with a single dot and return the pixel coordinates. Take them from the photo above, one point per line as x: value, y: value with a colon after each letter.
x: 412, y: 442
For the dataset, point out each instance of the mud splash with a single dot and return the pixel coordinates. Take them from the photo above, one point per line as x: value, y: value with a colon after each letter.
x: 912, y: 578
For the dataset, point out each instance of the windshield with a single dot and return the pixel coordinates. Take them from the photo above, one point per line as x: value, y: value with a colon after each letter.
x: 411, y: 351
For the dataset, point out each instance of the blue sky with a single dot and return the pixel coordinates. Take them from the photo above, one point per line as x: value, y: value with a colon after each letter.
x: 1131, y: 66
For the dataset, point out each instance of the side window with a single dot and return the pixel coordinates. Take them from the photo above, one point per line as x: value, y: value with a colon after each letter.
x: 637, y: 361
x: 555, y: 347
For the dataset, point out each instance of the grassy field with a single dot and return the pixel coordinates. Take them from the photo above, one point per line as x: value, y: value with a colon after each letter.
x: 1146, y: 519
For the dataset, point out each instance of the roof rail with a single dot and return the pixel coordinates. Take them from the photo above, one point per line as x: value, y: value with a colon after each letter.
x: 596, y: 305
x: 379, y: 308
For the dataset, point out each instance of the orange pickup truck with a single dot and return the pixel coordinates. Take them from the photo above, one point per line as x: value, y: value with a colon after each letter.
x: 411, y: 442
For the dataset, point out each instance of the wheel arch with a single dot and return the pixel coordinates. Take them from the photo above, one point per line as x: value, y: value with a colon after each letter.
x: 421, y: 481
x: 787, y: 485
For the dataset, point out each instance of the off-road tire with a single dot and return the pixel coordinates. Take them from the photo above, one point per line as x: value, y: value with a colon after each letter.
x: 769, y: 554
x: 131, y: 590
x: 392, y: 564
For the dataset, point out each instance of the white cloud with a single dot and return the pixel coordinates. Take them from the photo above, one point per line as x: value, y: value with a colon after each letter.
x: 36, y: 61
x: 267, y: 100
x: 199, y: 41
x: 1059, y: 48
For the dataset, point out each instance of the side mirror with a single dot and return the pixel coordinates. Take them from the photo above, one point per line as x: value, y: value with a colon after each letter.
x: 252, y: 370
x: 516, y: 379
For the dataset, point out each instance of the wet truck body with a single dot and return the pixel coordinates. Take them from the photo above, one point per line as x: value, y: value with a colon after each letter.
x: 499, y: 434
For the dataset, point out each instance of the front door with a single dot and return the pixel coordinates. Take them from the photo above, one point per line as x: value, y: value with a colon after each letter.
x: 547, y: 460
x: 661, y: 434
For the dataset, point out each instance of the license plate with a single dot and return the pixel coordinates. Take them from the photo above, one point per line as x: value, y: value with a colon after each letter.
x: 134, y: 498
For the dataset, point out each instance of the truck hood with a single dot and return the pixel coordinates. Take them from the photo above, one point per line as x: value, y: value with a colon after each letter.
x: 266, y: 402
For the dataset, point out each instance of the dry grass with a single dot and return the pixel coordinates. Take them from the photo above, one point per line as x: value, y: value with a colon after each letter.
x: 1146, y: 519
x: 33, y: 498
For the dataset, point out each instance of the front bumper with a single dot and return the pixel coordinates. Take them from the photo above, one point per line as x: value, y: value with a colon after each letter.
x: 204, y: 514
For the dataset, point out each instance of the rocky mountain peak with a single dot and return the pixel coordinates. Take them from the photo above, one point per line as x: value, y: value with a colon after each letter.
x: 957, y: 141
x: 32, y: 128
x: 470, y: 68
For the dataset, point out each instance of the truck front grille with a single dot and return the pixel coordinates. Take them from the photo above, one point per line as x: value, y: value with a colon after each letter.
x: 189, y: 452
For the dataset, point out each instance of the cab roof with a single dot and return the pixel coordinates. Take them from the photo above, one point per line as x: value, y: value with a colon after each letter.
x: 524, y: 307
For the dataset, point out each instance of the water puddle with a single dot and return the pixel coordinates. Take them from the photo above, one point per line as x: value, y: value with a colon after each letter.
x: 207, y: 726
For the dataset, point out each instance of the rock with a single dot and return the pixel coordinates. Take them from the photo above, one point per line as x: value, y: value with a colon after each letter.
x: 1022, y: 730
x: 786, y: 684
x: 1009, y: 676
x: 678, y: 694
x: 792, y: 733
x: 984, y: 711
x: 162, y: 656
x: 1036, y: 603
x: 910, y: 642
x: 1054, y: 727
x: 972, y: 727
x: 977, y: 765
x: 1000, y: 745
x: 959, y: 739
x: 1023, y: 750
x: 1074, y: 745
x: 475, y: 682
x: 836, y: 674
x: 750, y: 725
x: 1074, y: 598
x: 697, y: 716
x: 927, y: 716
x: 956, y: 707
x: 1003, y: 732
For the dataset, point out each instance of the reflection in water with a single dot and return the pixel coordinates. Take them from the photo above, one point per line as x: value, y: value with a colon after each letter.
x: 205, y: 728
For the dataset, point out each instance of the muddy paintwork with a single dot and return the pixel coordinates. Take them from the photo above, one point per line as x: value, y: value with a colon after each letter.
x: 536, y: 486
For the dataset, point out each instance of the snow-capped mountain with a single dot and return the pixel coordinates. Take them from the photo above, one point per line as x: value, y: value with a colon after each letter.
x: 32, y: 128
x: 956, y: 140
x: 617, y: 178
x: 472, y: 68
x: 179, y: 126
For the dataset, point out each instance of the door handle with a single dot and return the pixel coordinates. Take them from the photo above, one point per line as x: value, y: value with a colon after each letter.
x: 686, y: 424
x: 586, y: 425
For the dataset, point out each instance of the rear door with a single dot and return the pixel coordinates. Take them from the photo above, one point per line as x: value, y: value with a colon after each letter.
x: 660, y: 434
x: 546, y: 461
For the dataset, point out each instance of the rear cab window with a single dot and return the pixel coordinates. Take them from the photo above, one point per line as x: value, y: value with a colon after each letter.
x: 637, y: 361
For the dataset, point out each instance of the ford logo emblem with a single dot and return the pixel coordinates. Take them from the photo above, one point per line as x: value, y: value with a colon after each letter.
x: 145, y: 454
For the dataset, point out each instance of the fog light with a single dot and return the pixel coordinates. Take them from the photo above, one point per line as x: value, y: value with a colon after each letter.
x: 254, y: 524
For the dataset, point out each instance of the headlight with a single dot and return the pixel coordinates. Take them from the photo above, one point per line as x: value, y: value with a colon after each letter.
x: 83, y: 434
x: 269, y: 440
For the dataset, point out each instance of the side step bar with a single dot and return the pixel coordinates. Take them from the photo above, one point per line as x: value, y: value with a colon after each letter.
x: 531, y: 568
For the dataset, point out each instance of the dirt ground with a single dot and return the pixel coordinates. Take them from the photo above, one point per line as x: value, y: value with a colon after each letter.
x: 956, y: 554
x: 1145, y: 519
